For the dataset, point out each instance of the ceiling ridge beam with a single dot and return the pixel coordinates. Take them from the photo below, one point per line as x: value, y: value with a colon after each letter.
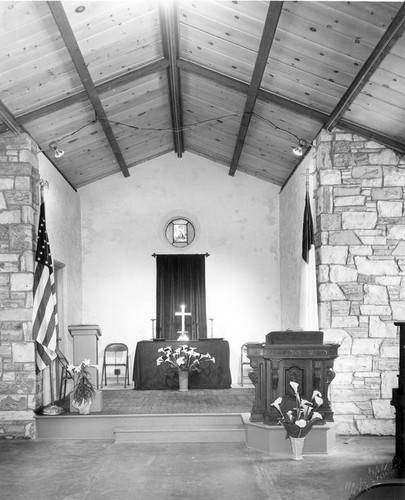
x: 382, y: 48
x: 266, y: 42
x: 73, y: 48
x: 168, y: 16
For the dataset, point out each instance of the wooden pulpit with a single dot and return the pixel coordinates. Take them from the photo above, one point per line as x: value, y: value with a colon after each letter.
x: 290, y: 356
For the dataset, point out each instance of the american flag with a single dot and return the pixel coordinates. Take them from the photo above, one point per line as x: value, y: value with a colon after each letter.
x: 45, y: 318
x: 308, y: 293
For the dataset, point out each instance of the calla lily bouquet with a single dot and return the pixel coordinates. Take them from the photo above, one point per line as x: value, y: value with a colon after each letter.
x: 299, y: 420
x: 183, y: 359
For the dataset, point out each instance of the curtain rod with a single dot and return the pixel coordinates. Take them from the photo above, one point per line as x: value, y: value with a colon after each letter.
x: 156, y: 254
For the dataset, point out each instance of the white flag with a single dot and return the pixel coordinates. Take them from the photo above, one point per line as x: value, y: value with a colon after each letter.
x: 308, y: 293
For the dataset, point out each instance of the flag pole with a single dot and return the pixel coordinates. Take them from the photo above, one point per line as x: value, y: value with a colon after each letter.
x: 45, y: 320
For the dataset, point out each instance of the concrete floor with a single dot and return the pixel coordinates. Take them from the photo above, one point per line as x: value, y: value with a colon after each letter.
x: 94, y: 470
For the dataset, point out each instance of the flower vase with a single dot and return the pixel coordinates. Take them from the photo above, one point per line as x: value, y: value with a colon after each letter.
x: 297, y: 445
x: 84, y: 407
x: 183, y: 381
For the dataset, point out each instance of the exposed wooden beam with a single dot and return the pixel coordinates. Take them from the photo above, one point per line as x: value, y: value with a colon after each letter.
x: 72, y: 46
x: 393, y: 32
x: 270, y: 26
x: 168, y: 15
x: 372, y: 135
x: 82, y: 96
x: 242, y: 87
x: 8, y: 119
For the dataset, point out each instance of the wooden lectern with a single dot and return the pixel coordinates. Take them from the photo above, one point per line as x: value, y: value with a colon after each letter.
x: 298, y: 356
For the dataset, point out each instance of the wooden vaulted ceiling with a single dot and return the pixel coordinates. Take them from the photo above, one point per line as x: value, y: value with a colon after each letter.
x: 117, y: 83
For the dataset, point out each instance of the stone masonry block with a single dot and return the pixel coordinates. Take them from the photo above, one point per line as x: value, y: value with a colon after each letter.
x: 359, y: 220
x: 394, y: 176
x: 382, y: 408
x: 381, y: 329
x: 339, y: 273
x: 10, y: 217
x: 366, y: 347
x: 375, y: 294
x: 21, y: 281
x: 330, y: 291
x: 343, y: 238
x: 376, y: 267
x: 393, y: 193
x: 332, y: 254
x: 366, y: 172
x: 390, y: 208
x: 330, y: 177
x: 330, y: 222
x: 23, y: 352
x: 396, y: 232
x: 379, y: 427
x: 398, y: 310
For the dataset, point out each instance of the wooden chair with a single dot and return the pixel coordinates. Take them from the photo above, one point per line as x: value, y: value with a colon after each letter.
x: 65, y: 374
x: 115, y: 355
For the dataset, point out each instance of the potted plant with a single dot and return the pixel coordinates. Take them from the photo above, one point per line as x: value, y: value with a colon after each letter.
x: 83, y: 391
x: 184, y: 360
x: 299, y: 420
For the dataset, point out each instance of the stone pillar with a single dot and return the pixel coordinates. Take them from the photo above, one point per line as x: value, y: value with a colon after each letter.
x: 18, y: 208
x: 361, y: 263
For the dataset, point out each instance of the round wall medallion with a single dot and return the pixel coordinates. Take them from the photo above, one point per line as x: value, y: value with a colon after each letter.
x: 180, y: 232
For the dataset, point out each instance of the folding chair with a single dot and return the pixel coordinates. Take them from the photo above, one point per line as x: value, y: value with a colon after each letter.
x: 115, y: 355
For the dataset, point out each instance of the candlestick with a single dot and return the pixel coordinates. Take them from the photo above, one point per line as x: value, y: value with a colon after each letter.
x: 212, y: 327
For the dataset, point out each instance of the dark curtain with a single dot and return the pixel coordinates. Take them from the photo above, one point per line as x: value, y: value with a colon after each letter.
x: 180, y: 280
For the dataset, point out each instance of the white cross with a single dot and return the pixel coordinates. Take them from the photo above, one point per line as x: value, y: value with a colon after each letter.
x: 183, y: 315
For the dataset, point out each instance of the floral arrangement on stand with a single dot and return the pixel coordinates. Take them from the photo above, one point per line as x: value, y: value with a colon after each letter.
x: 299, y: 420
x: 83, y: 391
x: 184, y: 360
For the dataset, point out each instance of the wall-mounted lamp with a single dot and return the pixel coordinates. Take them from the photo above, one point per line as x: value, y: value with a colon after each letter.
x: 58, y: 152
x: 298, y: 150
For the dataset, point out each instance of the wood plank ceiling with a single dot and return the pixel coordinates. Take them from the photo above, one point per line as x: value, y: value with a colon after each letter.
x: 115, y: 84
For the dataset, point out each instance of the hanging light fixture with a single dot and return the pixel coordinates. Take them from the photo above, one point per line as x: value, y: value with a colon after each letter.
x: 58, y: 152
x: 298, y: 150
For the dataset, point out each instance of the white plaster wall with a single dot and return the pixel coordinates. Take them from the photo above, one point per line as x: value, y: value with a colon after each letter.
x: 292, y: 204
x: 238, y: 221
x: 62, y: 207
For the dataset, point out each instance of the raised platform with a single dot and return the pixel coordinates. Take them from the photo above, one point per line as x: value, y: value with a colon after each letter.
x: 179, y: 428
x: 203, y: 416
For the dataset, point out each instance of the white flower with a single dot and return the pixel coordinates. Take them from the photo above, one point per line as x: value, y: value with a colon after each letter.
x: 276, y: 404
x: 87, y: 362
x: 317, y: 397
x: 294, y: 386
x: 290, y: 416
x: 159, y: 361
x: 301, y: 423
x: 316, y: 415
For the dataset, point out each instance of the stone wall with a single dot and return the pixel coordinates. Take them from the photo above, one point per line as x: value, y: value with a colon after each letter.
x: 361, y: 263
x: 18, y: 208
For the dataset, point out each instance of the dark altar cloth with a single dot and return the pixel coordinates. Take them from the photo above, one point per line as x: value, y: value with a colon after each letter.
x: 148, y: 376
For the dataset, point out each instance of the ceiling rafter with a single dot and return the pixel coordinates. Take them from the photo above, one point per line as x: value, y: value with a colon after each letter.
x: 82, y: 96
x: 269, y: 30
x: 388, y: 39
x: 72, y: 46
x: 262, y: 95
x: 9, y: 120
x: 168, y: 15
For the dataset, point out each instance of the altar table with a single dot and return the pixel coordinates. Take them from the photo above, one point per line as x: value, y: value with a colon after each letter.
x: 148, y: 375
